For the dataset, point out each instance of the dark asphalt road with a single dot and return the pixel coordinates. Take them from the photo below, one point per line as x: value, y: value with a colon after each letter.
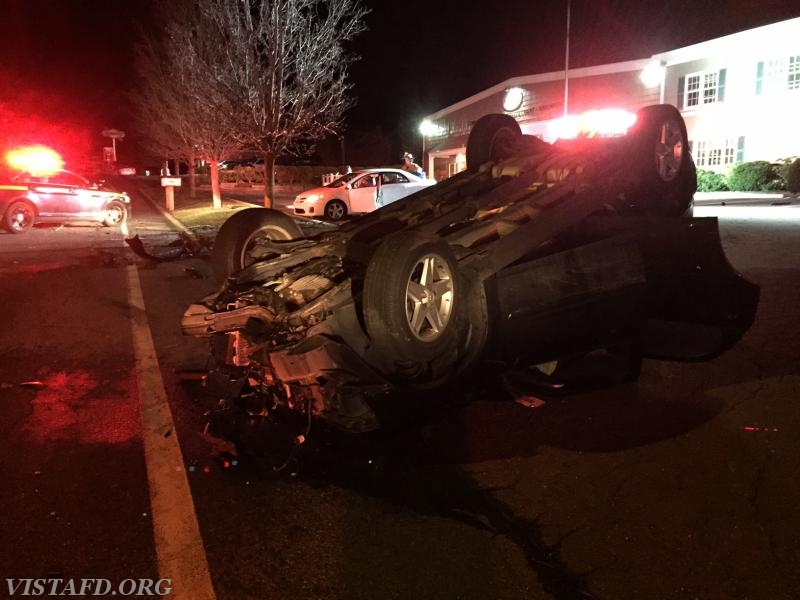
x: 684, y: 485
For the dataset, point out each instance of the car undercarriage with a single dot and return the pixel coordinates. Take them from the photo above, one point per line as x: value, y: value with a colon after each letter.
x: 535, y: 254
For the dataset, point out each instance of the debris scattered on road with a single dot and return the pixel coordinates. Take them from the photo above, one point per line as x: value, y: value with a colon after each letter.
x: 189, y: 375
x: 530, y: 401
x: 759, y: 429
x: 219, y: 446
x: 193, y: 273
x: 185, y: 246
x: 35, y: 385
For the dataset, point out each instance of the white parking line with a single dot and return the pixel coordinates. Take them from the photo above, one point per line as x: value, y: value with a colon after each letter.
x: 179, y: 546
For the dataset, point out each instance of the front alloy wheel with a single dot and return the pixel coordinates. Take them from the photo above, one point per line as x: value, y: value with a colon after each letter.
x: 335, y: 210
x: 429, y: 297
x: 115, y: 214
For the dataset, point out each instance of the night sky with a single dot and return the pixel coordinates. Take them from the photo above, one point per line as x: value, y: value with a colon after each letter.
x: 417, y: 56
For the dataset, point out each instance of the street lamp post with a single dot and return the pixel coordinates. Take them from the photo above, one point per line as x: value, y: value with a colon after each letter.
x: 566, y: 63
x: 427, y: 128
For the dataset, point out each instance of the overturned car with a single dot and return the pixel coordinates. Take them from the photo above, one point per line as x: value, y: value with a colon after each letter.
x: 536, y: 253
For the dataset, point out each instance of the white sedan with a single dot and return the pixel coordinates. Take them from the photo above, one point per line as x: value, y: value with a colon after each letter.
x: 358, y: 192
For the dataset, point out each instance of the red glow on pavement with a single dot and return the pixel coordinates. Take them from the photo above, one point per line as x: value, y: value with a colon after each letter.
x: 75, y: 406
x: 37, y: 160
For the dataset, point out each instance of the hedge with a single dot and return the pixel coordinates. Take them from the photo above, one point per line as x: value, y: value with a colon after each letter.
x: 754, y: 176
x: 792, y: 176
x: 711, y: 181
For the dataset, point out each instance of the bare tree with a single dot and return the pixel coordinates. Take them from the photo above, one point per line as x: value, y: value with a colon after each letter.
x: 282, y: 70
x: 179, y: 105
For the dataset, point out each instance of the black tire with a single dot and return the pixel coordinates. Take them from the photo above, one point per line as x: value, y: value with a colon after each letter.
x: 19, y: 217
x: 417, y: 327
x: 335, y: 210
x: 493, y: 138
x: 238, y: 234
x: 665, y: 172
x: 116, y: 214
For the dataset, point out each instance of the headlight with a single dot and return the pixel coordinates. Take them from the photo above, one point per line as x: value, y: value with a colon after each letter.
x: 311, y: 198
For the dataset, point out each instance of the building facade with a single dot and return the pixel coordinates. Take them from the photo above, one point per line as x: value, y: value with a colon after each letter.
x: 739, y: 96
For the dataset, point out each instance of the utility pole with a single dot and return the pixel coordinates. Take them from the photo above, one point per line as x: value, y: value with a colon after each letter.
x: 566, y: 63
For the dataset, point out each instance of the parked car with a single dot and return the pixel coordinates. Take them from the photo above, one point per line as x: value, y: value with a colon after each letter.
x: 62, y: 196
x: 536, y: 255
x: 358, y: 192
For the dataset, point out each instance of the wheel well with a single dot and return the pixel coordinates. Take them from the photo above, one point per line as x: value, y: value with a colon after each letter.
x: 344, y: 203
x: 26, y: 201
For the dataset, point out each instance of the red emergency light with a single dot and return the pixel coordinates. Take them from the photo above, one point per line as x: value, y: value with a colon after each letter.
x: 37, y: 160
x: 605, y: 122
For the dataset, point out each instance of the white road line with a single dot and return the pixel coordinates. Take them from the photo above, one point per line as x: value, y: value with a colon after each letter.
x: 179, y: 546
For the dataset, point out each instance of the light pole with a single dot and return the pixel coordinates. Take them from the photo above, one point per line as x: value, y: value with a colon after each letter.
x: 427, y: 128
x: 566, y: 63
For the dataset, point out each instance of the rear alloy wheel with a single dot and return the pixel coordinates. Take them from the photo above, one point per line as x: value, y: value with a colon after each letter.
x: 115, y: 214
x: 19, y: 217
x: 239, y: 236
x: 335, y: 210
x: 413, y: 311
x: 493, y: 138
x: 664, y: 167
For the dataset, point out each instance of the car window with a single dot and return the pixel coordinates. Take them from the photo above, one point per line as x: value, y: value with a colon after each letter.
x: 26, y: 178
x: 366, y: 181
x: 391, y: 177
x: 343, y: 180
x: 67, y: 178
x: 60, y: 178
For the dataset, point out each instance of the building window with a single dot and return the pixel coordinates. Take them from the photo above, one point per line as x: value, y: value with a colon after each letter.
x: 793, y: 79
x: 703, y: 88
x: 720, y: 153
x: 777, y: 75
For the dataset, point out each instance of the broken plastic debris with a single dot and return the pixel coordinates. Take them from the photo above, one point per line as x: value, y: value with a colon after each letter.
x: 189, y: 375
x: 754, y: 428
x: 193, y: 273
x: 530, y: 401
x: 36, y: 385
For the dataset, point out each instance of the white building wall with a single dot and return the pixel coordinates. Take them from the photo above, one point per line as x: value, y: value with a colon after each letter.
x: 764, y: 125
x: 744, y: 126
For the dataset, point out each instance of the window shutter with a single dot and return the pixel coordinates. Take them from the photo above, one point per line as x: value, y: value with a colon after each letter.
x: 740, y: 150
x: 681, y: 89
x: 759, y: 77
x: 721, y: 85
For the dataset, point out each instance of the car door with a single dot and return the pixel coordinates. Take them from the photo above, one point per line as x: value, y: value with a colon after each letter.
x: 362, y: 193
x: 48, y: 197
x: 76, y: 196
x: 394, y: 186
x: 57, y: 195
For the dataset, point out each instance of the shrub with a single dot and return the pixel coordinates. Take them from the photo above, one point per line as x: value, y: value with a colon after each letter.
x: 755, y: 176
x: 792, y: 176
x: 710, y: 181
